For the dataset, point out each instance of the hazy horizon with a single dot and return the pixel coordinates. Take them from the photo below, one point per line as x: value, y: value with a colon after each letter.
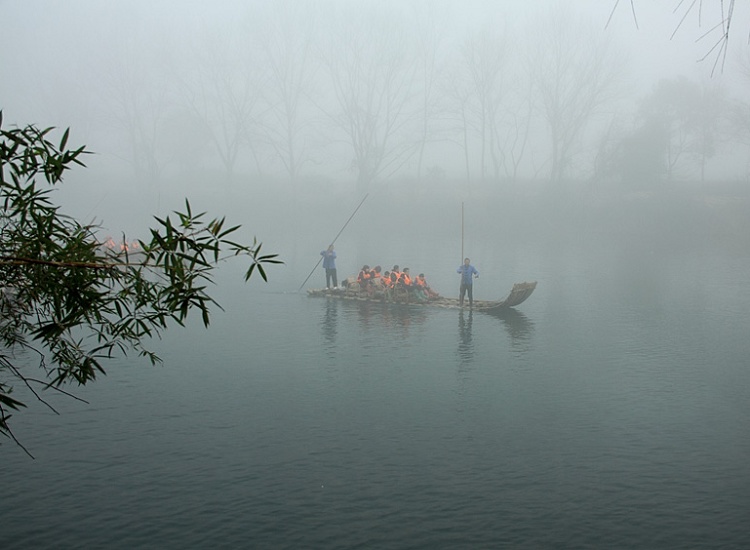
x: 259, y: 109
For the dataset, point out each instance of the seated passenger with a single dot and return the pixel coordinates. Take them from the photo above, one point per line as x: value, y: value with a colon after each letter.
x: 419, y: 293
x: 392, y: 280
x: 405, y: 279
x: 421, y: 282
x: 364, y: 276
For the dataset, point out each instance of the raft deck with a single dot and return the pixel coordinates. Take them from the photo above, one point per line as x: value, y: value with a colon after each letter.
x: 518, y: 294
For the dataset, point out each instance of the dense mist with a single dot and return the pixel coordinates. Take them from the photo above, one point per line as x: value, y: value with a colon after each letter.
x: 552, y: 123
x: 595, y: 150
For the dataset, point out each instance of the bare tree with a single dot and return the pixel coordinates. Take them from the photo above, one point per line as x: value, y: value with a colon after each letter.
x: 139, y: 96
x: 476, y: 90
x: 492, y: 106
x: 373, y: 81
x: 222, y: 88
x: 485, y: 58
x: 458, y: 95
x: 431, y: 30
x: 519, y: 113
x: 285, y: 38
x: 574, y: 71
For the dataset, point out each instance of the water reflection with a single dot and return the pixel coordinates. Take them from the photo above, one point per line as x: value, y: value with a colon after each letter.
x: 465, y: 345
x: 519, y: 328
x: 330, y: 323
x: 395, y: 318
x: 397, y: 321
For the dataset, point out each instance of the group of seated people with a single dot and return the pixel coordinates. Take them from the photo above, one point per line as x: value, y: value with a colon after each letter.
x: 396, y: 282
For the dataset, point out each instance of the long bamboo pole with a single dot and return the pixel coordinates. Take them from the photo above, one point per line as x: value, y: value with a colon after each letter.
x: 334, y: 240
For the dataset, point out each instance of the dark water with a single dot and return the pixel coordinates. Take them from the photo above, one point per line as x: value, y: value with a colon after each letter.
x: 611, y: 410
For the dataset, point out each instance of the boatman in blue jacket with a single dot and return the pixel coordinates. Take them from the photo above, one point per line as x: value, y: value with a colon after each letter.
x: 468, y: 274
x: 329, y: 264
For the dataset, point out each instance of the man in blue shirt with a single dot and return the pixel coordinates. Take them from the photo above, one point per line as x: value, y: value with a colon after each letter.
x: 468, y: 273
x: 329, y: 264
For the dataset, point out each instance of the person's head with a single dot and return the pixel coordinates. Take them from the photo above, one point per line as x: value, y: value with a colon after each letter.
x: 421, y: 275
x: 467, y: 261
x: 365, y: 267
x: 377, y: 269
x: 395, y: 268
x: 406, y: 270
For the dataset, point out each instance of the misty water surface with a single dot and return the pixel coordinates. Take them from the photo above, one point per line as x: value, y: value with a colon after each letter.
x: 610, y: 410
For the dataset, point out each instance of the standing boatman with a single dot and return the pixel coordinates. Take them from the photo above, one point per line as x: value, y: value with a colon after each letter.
x: 329, y: 264
x: 468, y: 274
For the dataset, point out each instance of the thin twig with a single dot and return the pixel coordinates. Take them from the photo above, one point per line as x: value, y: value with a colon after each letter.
x: 7, y: 432
x: 612, y: 13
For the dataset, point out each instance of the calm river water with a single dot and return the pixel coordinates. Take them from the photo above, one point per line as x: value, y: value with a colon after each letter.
x: 611, y: 410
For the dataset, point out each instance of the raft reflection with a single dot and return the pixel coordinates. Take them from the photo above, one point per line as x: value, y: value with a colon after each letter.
x: 330, y: 321
x: 395, y: 318
x: 398, y: 319
x: 519, y: 328
x: 465, y: 345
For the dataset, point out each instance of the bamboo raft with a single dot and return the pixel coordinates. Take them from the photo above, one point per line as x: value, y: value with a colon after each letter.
x: 518, y: 294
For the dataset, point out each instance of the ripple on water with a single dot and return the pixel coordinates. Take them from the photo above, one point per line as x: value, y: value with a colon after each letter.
x: 620, y: 421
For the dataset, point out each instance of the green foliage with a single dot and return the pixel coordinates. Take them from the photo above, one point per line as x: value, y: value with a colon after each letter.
x: 72, y: 302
